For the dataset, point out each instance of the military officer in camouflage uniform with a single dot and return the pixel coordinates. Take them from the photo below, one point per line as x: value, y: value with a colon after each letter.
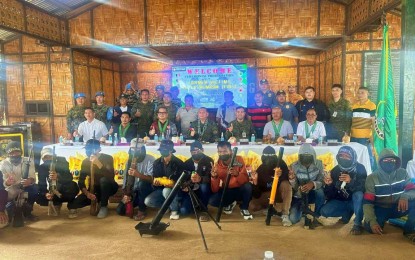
x: 203, y: 129
x: 241, y: 128
x: 269, y: 96
x: 75, y: 115
x: 142, y: 113
x: 174, y: 90
x: 340, y: 114
x: 131, y: 95
x: 100, y: 108
x: 158, y: 100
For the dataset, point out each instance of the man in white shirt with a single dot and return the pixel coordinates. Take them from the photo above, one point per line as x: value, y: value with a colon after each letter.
x: 278, y: 126
x: 311, y: 128
x: 86, y: 129
x: 186, y: 115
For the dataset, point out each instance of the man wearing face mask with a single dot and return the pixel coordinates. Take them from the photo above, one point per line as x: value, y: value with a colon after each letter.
x: 105, y: 185
x: 306, y: 178
x: 137, y: 185
x: 170, y: 167
x: 201, y: 166
x: 239, y: 189
x: 344, y: 187
x: 65, y: 186
x: 12, y: 169
x: 389, y: 194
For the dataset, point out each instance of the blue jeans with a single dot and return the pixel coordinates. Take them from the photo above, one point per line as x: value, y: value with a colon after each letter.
x: 314, y: 196
x: 156, y: 199
x: 242, y: 193
x: 345, y: 209
x: 203, y: 193
x: 366, y: 142
x: 383, y: 214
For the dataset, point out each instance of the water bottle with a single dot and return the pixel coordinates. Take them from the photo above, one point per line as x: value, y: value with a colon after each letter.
x: 115, y: 139
x: 268, y: 255
x: 181, y: 138
x: 222, y: 138
x: 162, y: 137
x: 320, y: 140
x: 243, y: 134
x: 252, y: 138
x: 76, y: 138
x: 110, y: 138
x: 156, y: 138
x: 61, y: 139
x: 295, y: 138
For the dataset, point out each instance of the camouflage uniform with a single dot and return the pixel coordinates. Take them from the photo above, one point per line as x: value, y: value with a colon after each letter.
x: 156, y: 103
x: 101, y: 113
x: 171, y: 110
x: 145, y: 120
x: 131, y: 100
x: 74, y: 117
x: 238, y: 128
x: 178, y: 102
x: 210, y: 135
x: 340, y: 118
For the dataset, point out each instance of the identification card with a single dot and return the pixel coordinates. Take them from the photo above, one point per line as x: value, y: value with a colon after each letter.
x: 334, y: 113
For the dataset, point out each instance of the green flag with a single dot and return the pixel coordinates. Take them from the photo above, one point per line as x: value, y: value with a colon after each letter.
x: 385, y: 135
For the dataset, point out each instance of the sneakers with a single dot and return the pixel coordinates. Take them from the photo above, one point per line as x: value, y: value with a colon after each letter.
x: 103, y: 212
x: 73, y: 213
x: 286, y: 222
x: 229, y: 209
x: 174, y: 215
x: 246, y: 214
x: 203, y: 217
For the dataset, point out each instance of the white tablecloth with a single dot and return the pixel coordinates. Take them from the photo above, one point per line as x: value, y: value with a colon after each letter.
x: 210, y: 149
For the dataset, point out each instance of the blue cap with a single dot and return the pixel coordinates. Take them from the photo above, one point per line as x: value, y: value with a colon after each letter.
x: 128, y: 86
x: 79, y: 94
x: 159, y: 87
x: 99, y: 93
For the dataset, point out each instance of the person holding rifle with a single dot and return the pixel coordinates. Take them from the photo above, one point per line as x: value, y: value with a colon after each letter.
x: 15, y: 182
x: 240, y: 189
x: 105, y: 185
x: 140, y: 174
x: 262, y: 180
x: 66, y: 188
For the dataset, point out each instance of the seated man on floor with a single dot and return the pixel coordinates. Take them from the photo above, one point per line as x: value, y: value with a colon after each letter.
x: 139, y: 176
x: 166, y: 171
x: 15, y: 183
x: 66, y: 189
x: 201, y: 166
x: 389, y: 194
x: 306, y: 178
x: 262, y: 180
x: 344, y: 187
x: 104, y: 183
x: 240, y: 189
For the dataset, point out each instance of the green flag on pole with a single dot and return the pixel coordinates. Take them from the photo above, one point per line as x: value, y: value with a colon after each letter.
x: 385, y: 135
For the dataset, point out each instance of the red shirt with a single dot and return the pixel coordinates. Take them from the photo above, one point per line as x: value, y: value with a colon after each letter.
x: 234, y: 182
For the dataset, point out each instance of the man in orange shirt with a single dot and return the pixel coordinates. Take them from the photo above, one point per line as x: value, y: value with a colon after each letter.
x: 293, y: 96
x: 239, y: 189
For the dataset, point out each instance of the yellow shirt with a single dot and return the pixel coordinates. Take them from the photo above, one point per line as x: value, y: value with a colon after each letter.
x: 362, y: 119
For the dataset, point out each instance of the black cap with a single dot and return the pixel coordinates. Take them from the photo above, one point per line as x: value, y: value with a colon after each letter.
x: 92, y: 144
x: 167, y: 145
x: 13, y: 146
x: 159, y: 87
x: 268, y: 151
x: 123, y: 96
x: 280, y: 92
x: 263, y: 81
x: 196, y: 145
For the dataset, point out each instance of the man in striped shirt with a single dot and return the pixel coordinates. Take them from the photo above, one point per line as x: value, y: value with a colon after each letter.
x: 259, y: 113
x: 362, y: 122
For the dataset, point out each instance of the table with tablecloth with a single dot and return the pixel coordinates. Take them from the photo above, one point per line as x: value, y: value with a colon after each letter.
x: 251, y: 153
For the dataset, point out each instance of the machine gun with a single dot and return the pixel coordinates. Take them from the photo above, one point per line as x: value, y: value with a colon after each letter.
x: 53, y: 186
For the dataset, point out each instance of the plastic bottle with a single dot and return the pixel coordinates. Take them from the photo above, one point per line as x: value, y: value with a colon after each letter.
x: 115, y: 139
x: 320, y: 140
x: 61, y: 139
x: 268, y: 255
x: 162, y: 137
x: 243, y: 134
x: 295, y: 138
x: 252, y: 138
x: 181, y: 138
x: 110, y: 138
x: 222, y: 138
x: 76, y: 138
x: 156, y: 138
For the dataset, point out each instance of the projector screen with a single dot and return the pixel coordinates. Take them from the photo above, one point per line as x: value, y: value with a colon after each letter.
x: 207, y: 83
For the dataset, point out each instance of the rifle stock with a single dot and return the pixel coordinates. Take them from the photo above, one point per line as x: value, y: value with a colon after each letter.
x: 274, y: 189
x: 226, y: 184
x: 53, y: 190
x: 94, y: 208
x: 129, y: 207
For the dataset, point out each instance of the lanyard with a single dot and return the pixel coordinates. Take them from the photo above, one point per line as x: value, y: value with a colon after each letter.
x: 277, y: 130
x: 122, y: 133
x: 163, y: 129
x: 307, y: 133
x: 203, y: 129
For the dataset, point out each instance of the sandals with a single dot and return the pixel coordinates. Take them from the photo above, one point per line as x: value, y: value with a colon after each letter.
x: 356, y: 230
x: 140, y: 216
x: 411, y: 237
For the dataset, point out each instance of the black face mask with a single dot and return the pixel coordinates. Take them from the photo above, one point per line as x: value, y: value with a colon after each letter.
x: 388, y: 167
x: 345, y: 163
x: 15, y: 159
x: 306, y: 159
x: 197, y: 157
x: 225, y: 157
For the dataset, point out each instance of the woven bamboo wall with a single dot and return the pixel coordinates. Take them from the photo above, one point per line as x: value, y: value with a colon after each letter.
x: 36, y: 82
x: 332, y: 18
x: 14, y: 90
x: 62, y: 95
x: 80, y: 29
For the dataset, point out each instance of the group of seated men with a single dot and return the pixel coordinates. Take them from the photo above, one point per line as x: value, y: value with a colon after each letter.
x: 343, y: 192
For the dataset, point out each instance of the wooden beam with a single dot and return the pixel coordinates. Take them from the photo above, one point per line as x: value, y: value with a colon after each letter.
x: 83, y: 9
